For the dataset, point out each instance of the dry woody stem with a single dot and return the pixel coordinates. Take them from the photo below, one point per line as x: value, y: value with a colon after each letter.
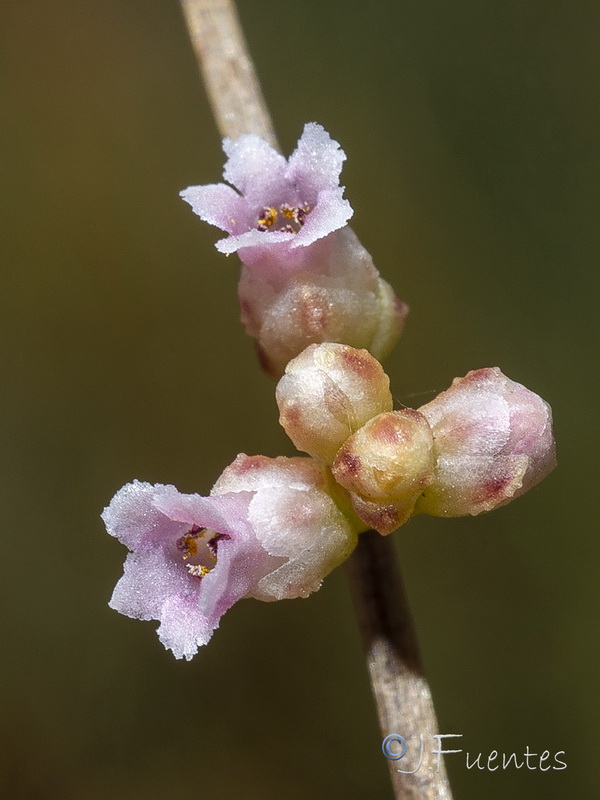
x: 401, y: 692
x: 227, y: 69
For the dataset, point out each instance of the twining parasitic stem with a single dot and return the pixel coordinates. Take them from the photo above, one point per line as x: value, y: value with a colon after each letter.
x: 227, y: 70
x: 401, y: 692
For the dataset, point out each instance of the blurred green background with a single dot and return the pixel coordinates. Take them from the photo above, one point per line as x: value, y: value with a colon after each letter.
x: 471, y: 132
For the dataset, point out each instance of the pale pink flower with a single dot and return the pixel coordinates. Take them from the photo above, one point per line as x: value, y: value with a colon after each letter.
x: 305, y: 276
x: 282, y: 206
x: 270, y: 529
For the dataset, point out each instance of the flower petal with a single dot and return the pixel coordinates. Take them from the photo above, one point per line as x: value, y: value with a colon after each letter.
x: 227, y: 513
x: 316, y: 163
x: 219, y: 205
x: 330, y: 213
x: 256, y: 170
x: 149, y: 579
x: 132, y: 518
x: 256, y: 238
x: 188, y: 623
x: 184, y: 627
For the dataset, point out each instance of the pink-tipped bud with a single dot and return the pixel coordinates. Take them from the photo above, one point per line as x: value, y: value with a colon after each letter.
x: 385, y: 466
x: 389, y: 458
x: 328, y: 392
x: 493, y: 442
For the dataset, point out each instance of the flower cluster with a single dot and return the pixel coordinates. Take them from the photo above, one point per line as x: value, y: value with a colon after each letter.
x: 475, y: 447
x: 273, y: 528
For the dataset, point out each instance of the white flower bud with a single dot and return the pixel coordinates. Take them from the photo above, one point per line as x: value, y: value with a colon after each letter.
x: 328, y: 392
x: 493, y: 442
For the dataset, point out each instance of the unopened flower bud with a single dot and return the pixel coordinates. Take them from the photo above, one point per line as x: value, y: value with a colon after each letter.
x: 327, y: 393
x: 493, y: 442
x: 334, y: 295
x: 390, y: 458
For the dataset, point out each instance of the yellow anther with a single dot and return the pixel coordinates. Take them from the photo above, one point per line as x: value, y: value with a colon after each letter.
x: 198, y: 570
x: 267, y: 217
x: 288, y: 211
x: 188, y: 544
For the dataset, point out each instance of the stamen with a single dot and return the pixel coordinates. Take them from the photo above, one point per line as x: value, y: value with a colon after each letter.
x: 302, y: 213
x: 197, y: 570
x: 288, y: 211
x: 212, y: 543
x: 266, y: 218
x: 188, y: 544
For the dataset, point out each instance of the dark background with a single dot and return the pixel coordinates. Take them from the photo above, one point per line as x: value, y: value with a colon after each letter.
x: 471, y: 131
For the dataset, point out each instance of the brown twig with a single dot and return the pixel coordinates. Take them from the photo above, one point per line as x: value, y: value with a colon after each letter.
x: 401, y: 692
x: 227, y: 69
